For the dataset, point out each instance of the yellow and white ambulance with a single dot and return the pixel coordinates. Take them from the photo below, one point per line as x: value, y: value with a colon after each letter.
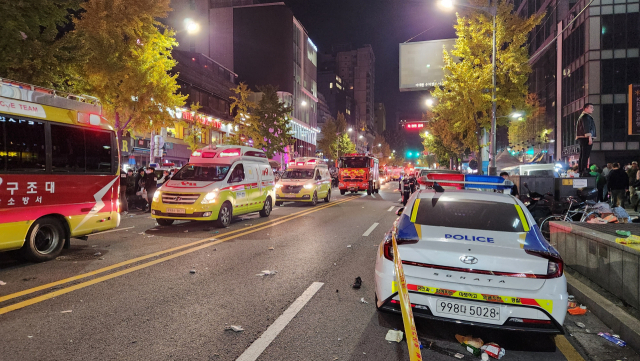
x: 305, y: 180
x: 219, y: 182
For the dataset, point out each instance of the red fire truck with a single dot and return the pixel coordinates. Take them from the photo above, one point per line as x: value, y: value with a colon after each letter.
x: 358, y: 172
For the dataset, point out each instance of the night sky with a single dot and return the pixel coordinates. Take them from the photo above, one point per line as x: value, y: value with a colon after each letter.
x: 383, y: 24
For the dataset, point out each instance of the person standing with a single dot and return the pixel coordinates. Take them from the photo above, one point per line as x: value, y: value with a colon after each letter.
x: 585, y: 134
x: 124, y: 205
x: 140, y: 179
x: 131, y: 188
x: 150, y: 185
x: 632, y: 173
x: 618, y: 185
x: 605, y: 174
x: 514, y: 189
x: 601, y: 181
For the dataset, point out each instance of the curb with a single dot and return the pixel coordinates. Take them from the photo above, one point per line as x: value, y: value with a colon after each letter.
x: 625, y: 325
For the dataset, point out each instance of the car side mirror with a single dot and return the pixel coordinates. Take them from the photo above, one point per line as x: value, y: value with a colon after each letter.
x: 399, y: 211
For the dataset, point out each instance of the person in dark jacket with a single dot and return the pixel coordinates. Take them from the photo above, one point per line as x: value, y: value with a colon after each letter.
x: 150, y: 185
x: 124, y: 205
x: 130, y: 188
x: 601, y: 181
x: 618, y: 185
x: 139, y: 180
x: 585, y: 134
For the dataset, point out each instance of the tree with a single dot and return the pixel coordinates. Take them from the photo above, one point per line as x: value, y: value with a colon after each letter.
x: 271, y: 130
x: 440, y: 139
x: 33, y: 49
x: 241, y: 106
x: 464, y: 100
x: 396, y: 140
x: 129, y: 62
x: 382, y: 151
x: 532, y: 128
x: 334, y: 138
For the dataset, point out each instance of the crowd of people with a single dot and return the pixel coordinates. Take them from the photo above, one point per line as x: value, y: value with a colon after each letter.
x: 616, y: 184
x: 136, y: 190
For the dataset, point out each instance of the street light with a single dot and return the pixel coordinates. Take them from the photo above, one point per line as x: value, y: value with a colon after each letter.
x: 303, y: 103
x: 379, y: 144
x: 493, y: 11
x: 350, y: 130
x: 191, y: 26
x: 429, y: 102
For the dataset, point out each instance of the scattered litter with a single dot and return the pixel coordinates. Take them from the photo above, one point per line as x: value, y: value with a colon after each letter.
x: 142, y: 233
x: 492, y: 349
x: 101, y: 258
x: 187, y: 231
x: 271, y: 248
x: 348, y: 246
x: 97, y: 254
x: 358, y: 283
x: 577, y: 310
x: 363, y: 300
x: 580, y: 324
x: 335, y: 264
x: 60, y: 258
x: 484, y: 357
x: 67, y: 311
x: 153, y: 229
x: 94, y: 246
x: 150, y: 236
x: 29, y: 279
x: 633, y: 239
x: 234, y: 328
x: 612, y: 339
x: 267, y: 273
x: 472, y: 345
x: 441, y: 350
x: 30, y: 336
x: 192, y: 271
x: 2, y: 283
x: 623, y: 233
x: 394, y: 336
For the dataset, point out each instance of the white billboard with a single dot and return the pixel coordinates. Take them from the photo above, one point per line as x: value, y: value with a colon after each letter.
x: 421, y: 64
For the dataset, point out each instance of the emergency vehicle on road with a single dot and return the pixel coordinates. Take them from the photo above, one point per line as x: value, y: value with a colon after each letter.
x: 358, y: 172
x: 219, y: 182
x: 474, y: 258
x: 305, y: 180
x: 59, y: 168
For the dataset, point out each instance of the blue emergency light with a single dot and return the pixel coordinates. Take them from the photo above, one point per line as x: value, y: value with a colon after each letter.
x: 472, y: 181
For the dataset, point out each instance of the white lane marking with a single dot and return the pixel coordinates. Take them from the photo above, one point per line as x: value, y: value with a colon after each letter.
x: 391, y: 208
x: 368, y: 232
x: 258, y: 346
x: 109, y: 231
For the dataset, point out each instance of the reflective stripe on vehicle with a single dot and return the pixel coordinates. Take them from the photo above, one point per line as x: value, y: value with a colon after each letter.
x: 547, y: 305
x: 523, y: 219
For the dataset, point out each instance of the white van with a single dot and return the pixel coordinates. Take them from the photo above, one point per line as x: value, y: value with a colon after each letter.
x: 219, y: 182
x: 305, y: 180
x: 540, y: 170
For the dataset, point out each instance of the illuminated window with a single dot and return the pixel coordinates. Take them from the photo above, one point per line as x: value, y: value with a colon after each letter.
x: 171, y: 132
x: 330, y: 85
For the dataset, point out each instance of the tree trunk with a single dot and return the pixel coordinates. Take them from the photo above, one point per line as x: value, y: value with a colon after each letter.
x: 479, y: 140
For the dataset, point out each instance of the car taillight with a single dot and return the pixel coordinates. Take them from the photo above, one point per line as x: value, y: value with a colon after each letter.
x: 387, y: 247
x: 555, y: 267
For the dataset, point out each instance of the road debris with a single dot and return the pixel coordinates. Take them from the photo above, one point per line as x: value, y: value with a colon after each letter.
x: 578, y: 310
x: 142, y: 233
x: 234, y: 328
x: 271, y: 248
x: 363, y: 300
x: 612, y: 339
x: 30, y: 336
x: 101, y: 258
x: 394, y: 336
x: 472, y: 345
x: 67, y: 311
x: 97, y: 254
x: 358, y: 283
x: 492, y: 349
x: 484, y: 357
x: 267, y: 273
x: 187, y: 231
x: 3, y: 283
x: 348, y: 246
x: 430, y: 345
x: 580, y: 324
x: 192, y: 271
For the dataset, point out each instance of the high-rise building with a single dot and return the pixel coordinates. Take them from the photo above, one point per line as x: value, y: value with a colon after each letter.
x: 595, y: 58
x: 357, y: 67
x: 264, y: 44
x: 380, y: 118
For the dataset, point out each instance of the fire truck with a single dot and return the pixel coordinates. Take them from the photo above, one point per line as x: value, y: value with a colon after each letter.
x: 358, y: 172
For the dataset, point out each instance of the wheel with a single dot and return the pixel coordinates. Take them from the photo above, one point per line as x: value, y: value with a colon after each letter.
x: 342, y: 192
x: 224, y: 216
x: 278, y: 203
x: 328, y: 197
x: 266, y: 209
x: 314, y: 200
x: 370, y: 189
x: 544, y: 226
x: 164, y: 221
x: 44, y: 241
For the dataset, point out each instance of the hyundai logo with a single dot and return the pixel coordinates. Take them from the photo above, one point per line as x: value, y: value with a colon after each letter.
x: 468, y: 259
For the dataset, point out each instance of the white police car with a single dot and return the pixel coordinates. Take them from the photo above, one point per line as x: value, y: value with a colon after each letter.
x: 475, y: 258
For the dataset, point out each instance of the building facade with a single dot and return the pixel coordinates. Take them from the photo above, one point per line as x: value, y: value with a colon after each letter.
x: 594, y: 60
x: 265, y: 45
x: 357, y: 68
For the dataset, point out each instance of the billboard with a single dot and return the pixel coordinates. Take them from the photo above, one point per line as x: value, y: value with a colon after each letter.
x: 421, y: 64
x: 634, y: 109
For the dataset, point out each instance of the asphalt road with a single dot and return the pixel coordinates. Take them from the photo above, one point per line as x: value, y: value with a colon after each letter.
x: 130, y: 294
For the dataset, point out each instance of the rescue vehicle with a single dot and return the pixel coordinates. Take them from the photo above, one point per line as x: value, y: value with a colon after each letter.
x: 306, y: 180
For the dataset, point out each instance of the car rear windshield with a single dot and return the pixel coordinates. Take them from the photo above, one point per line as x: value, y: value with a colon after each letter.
x: 298, y: 174
x: 469, y: 214
x: 204, y: 173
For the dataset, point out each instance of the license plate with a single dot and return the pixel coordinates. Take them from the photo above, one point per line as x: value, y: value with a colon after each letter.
x: 176, y: 210
x: 353, y: 188
x: 463, y: 309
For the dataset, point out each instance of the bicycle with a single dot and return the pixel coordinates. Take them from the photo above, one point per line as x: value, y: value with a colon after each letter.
x: 570, y: 215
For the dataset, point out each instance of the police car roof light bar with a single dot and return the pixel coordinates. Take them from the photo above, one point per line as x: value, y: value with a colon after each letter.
x: 476, y: 181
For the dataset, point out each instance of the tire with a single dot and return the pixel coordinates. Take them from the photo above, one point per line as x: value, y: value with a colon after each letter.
x: 224, y: 216
x: 314, y: 199
x: 342, y: 192
x: 370, y: 189
x: 278, y: 204
x: 164, y: 221
x: 266, y: 209
x: 328, y: 197
x: 44, y: 241
x: 544, y: 226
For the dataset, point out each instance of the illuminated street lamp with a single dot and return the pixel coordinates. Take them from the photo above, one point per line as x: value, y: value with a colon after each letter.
x: 191, y: 26
x: 303, y: 103
x: 429, y: 102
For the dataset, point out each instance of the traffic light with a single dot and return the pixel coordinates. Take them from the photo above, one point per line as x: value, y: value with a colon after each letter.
x: 412, y: 154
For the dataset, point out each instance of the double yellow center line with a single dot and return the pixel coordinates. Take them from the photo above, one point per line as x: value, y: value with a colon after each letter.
x: 186, y: 249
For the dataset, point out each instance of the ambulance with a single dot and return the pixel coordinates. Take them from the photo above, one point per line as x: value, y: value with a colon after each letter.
x: 306, y: 180
x: 219, y: 182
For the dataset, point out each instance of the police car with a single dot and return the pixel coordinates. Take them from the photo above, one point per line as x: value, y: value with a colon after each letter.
x: 473, y: 257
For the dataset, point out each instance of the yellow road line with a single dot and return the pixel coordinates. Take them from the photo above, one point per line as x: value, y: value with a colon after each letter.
x: 567, y: 349
x: 78, y: 286
x: 155, y: 254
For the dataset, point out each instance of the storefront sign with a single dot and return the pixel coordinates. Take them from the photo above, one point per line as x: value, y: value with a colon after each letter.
x: 201, y: 118
x: 634, y: 109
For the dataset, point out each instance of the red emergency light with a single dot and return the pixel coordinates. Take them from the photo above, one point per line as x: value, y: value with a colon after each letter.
x: 232, y: 152
x: 415, y: 125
